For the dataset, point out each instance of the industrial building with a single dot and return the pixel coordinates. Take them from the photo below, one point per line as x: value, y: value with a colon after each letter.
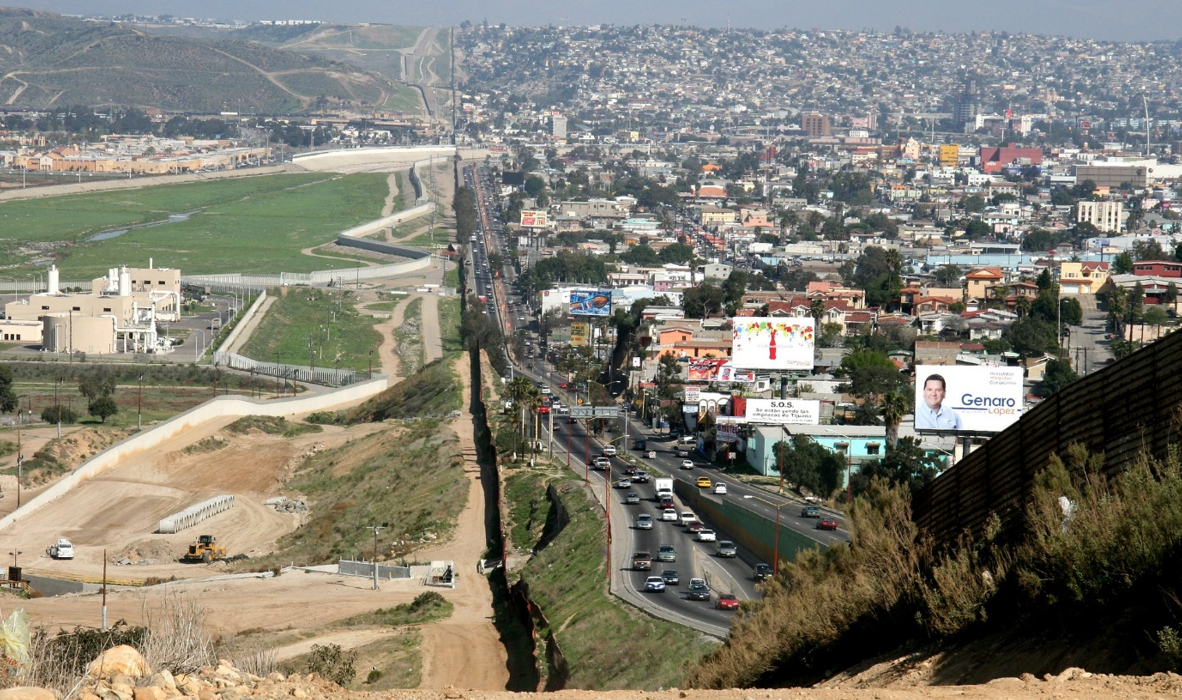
x: 120, y: 314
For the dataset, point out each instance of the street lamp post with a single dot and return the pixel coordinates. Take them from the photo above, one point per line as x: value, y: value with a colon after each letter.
x: 376, y: 529
x: 369, y: 375
x: 139, y: 402
x: 57, y: 404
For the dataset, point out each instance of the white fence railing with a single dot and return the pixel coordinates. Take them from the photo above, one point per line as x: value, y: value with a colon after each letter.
x: 195, y: 514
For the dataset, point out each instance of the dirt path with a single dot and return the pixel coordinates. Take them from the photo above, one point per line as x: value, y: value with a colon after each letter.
x: 465, y: 650
x: 392, y: 183
x: 345, y: 639
x: 432, y: 337
x: 252, y: 325
x: 388, y: 348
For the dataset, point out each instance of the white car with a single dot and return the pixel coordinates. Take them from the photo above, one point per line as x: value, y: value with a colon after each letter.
x: 682, y: 452
x: 687, y: 464
x: 609, y: 450
x: 669, y: 514
x: 687, y: 517
x: 719, y: 489
x: 707, y: 536
x: 62, y: 549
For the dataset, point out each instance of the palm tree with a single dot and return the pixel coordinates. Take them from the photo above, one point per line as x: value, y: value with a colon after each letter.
x: 1022, y: 306
x: 817, y: 310
x: 895, y: 405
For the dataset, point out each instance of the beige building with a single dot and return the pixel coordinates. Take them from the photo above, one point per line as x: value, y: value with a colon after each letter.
x: 1082, y: 277
x: 119, y: 314
x: 1109, y: 217
x: 25, y: 332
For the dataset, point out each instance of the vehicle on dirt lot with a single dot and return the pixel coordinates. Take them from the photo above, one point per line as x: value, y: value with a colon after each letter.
x: 62, y: 549
x: 205, y: 550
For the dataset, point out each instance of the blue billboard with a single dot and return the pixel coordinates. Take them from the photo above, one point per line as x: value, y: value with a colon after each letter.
x: 590, y: 302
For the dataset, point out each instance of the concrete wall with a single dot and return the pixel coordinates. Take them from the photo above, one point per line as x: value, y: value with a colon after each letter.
x: 220, y: 407
x: 242, y: 322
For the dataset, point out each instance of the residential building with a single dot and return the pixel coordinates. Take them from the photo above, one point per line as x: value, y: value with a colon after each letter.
x: 1108, y: 216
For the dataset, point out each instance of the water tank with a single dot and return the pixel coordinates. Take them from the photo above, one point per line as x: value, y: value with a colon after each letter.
x: 53, y: 280
x: 124, y: 282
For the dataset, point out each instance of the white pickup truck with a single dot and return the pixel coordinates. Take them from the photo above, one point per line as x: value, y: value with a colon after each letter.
x: 62, y: 549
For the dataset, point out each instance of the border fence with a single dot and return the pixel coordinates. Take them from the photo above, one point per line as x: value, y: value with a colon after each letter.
x: 1122, y: 410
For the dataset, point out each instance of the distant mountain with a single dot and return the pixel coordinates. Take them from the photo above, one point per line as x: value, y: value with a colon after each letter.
x: 49, y: 60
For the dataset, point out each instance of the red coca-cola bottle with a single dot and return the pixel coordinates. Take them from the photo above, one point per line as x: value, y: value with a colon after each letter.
x: 771, y: 350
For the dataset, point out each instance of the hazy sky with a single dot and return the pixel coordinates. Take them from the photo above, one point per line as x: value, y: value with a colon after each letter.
x: 1119, y: 20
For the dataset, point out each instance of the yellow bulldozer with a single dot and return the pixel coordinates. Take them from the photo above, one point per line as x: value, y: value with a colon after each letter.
x: 205, y: 550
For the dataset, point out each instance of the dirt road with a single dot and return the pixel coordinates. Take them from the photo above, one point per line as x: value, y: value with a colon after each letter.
x: 465, y: 650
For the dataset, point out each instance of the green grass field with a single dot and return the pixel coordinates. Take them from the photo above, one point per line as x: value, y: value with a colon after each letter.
x: 440, y: 236
x: 301, y: 313
x: 404, y: 99
x: 244, y: 225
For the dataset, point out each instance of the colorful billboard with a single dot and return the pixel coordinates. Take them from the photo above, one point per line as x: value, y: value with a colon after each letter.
x: 773, y: 343
x: 784, y: 411
x: 579, y: 334
x: 972, y: 399
x: 590, y: 302
x: 704, y: 369
x: 727, y: 428
x: 534, y: 219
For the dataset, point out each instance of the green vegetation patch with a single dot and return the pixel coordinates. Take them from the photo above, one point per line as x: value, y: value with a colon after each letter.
x: 449, y: 325
x: 426, y: 607
x: 433, y: 392
x: 245, y: 224
x: 412, y: 479
x: 322, y: 326
x: 409, y: 337
x: 271, y: 425
x: 428, y: 239
x: 213, y: 443
x: 601, y: 638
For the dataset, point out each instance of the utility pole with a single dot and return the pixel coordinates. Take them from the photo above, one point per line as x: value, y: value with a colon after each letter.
x: 376, y: 529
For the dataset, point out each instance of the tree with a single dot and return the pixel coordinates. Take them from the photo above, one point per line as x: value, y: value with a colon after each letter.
x: 908, y: 464
x: 948, y: 276
x: 808, y: 466
x: 1032, y: 337
x: 702, y: 301
x: 871, y: 373
x: 1058, y: 374
x: 895, y: 405
x: 103, y: 407
x: 1148, y: 249
x: 973, y: 204
x: 96, y: 384
x: 1122, y: 264
x: 7, y: 395
x: 50, y: 414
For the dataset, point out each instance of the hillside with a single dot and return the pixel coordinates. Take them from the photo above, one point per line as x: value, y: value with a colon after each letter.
x: 48, y: 60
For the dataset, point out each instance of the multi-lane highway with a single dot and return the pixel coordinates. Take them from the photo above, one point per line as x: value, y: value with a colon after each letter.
x: 570, y: 442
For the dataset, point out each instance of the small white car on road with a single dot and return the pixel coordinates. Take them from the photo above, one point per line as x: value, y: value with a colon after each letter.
x: 706, y: 536
x: 687, y: 464
x: 719, y: 488
x: 62, y: 549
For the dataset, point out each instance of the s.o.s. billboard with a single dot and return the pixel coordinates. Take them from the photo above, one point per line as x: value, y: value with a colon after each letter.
x: 772, y: 343
x: 972, y: 399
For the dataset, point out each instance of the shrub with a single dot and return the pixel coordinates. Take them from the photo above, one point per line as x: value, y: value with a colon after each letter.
x: 50, y: 414
x: 332, y: 663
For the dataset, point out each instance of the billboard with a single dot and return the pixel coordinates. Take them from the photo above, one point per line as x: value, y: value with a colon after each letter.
x: 772, y: 343
x: 691, y: 394
x: 727, y: 429
x: 728, y: 373
x: 704, y: 369
x: 975, y: 399
x: 784, y: 411
x: 590, y: 302
x: 578, y: 334
x: 533, y: 218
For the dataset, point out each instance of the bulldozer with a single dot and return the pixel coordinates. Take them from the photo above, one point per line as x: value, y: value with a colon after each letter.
x: 204, y: 550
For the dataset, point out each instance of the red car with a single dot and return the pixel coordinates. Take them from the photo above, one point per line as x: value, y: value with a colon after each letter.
x: 727, y: 602
x: 826, y: 524
x: 562, y: 386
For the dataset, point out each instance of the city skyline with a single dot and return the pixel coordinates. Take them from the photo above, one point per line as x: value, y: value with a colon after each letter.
x: 1138, y: 20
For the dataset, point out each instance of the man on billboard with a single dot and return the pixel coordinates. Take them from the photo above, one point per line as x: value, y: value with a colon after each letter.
x: 933, y: 415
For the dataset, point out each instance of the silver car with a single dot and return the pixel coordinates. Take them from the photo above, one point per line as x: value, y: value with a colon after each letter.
x: 644, y: 521
x: 727, y: 549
